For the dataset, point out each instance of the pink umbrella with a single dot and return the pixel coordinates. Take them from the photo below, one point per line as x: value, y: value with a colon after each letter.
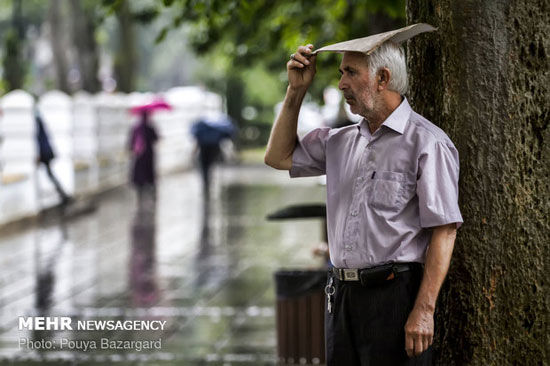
x: 150, y: 107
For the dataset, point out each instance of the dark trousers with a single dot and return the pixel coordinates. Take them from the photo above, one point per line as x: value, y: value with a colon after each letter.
x: 366, y: 326
x: 64, y: 197
x: 208, y: 155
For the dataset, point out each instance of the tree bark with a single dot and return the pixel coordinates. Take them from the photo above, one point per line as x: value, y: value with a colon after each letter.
x: 83, y: 24
x: 484, y: 78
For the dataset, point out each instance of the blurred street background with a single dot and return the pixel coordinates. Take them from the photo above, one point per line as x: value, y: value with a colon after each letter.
x: 210, y: 277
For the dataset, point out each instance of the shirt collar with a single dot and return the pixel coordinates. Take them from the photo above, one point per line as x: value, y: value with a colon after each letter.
x: 397, y: 120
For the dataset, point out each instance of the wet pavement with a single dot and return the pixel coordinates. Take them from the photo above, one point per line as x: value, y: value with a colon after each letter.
x: 206, y: 272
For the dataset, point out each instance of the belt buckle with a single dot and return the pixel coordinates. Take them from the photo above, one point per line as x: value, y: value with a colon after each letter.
x: 351, y: 274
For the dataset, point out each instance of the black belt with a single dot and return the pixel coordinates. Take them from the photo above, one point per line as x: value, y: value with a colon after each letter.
x: 374, y: 274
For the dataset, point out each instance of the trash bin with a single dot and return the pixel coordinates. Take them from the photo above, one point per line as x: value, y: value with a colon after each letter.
x: 300, y: 316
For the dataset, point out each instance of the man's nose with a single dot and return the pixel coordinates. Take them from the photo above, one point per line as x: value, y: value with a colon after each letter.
x: 342, y: 84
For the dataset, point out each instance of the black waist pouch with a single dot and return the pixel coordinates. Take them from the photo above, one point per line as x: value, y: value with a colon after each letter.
x: 376, y: 276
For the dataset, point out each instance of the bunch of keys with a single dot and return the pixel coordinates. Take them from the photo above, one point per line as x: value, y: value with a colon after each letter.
x: 329, y: 291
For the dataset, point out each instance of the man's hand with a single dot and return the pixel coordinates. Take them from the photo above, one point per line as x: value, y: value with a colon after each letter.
x: 419, y: 331
x: 282, y: 141
x: 301, y: 68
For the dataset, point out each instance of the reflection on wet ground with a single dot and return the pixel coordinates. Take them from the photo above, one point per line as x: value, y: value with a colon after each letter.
x: 205, y: 271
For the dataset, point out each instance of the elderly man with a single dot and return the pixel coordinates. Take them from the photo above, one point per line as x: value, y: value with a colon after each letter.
x: 392, y: 211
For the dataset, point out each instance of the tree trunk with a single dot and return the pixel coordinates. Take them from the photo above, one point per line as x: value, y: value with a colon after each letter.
x: 83, y: 24
x: 125, y: 61
x: 235, y: 102
x: 14, y: 63
x: 484, y: 78
x: 235, y: 98
x: 58, y: 46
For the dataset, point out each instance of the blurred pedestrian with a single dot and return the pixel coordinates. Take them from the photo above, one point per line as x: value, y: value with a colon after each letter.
x: 141, y: 144
x: 46, y: 155
x: 209, y: 132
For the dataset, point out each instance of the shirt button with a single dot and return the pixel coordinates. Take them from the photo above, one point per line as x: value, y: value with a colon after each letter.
x: 354, y: 213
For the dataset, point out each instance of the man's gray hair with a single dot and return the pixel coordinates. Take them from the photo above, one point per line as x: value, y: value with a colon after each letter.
x: 391, y: 56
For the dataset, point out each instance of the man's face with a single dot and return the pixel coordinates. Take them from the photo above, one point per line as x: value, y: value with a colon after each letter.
x: 357, y: 84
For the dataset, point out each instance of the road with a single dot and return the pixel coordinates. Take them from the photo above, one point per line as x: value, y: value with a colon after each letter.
x: 206, y: 273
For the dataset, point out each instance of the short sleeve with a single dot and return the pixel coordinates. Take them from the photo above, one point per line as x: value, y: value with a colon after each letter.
x: 437, y: 185
x: 309, y: 156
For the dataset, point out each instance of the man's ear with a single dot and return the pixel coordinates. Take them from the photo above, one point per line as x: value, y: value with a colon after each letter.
x: 383, y: 78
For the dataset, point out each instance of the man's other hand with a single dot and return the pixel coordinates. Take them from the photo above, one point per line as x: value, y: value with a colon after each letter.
x: 419, y: 331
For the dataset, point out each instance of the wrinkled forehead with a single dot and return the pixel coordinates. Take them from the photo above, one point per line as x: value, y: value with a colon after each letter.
x: 354, y: 59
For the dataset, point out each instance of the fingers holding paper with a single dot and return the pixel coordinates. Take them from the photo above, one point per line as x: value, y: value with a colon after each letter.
x: 301, y: 67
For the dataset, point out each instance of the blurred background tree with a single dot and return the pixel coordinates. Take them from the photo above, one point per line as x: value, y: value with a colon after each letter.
x: 14, y: 44
x: 84, y: 23
x: 16, y: 17
x: 253, y: 39
x: 236, y: 48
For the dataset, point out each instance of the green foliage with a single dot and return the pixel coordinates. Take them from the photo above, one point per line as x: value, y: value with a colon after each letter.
x: 143, y: 12
x: 263, y: 29
x: 262, y: 33
x: 264, y: 88
x: 3, y: 87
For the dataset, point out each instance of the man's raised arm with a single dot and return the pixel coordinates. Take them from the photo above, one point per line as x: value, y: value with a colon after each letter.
x: 282, y: 140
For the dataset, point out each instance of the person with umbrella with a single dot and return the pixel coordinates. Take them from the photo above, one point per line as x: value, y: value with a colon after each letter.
x: 141, y: 144
x: 209, y: 131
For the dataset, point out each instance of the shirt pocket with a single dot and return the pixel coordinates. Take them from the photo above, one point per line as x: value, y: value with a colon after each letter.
x: 387, y: 191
